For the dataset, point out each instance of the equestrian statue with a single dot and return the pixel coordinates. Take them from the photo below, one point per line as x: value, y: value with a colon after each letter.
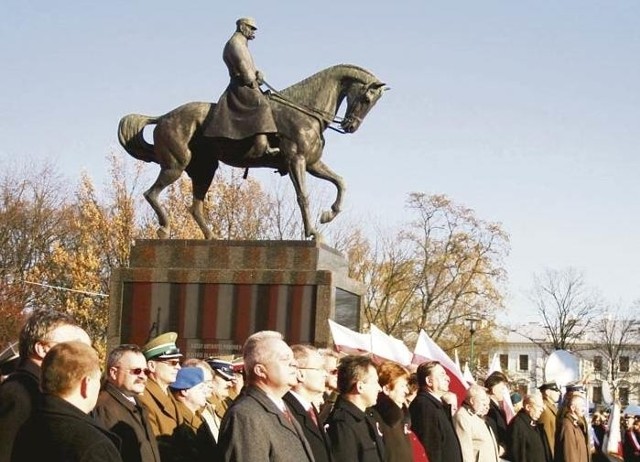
x: 282, y: 130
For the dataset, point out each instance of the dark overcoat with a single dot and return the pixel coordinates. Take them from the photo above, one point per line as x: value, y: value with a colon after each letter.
x: 394, y: 424
x: 60, y: 432
x: 254, y: 429
x: 315, y: 433
x: 130, y: 422
x: 19, y: 395
x: 631, y: 446
x: 242, y: 110
x: 528, y: 442
x: 193, y: 439
x: 497, y: 420
x: 353, y: 434
x: 432, y: 423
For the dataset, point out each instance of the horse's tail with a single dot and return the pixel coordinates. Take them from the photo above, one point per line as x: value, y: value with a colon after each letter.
x: 130, y: 135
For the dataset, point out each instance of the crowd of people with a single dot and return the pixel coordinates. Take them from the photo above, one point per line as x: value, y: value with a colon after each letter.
x: 282, y: 403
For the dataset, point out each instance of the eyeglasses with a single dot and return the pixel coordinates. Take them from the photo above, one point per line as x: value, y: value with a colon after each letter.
x: 170, y: 362
x: 321, y: 369
x: 136, y: 370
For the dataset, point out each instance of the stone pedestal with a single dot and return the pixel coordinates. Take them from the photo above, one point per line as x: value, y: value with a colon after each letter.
x: 216, y: 293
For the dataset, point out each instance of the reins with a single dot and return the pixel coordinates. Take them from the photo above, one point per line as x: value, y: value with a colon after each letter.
x: 322, y: 116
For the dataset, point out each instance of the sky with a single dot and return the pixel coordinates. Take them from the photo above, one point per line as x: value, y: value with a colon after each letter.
x: 527, y: 112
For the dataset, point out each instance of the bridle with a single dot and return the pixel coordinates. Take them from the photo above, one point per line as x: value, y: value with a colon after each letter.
x: 324, y: 117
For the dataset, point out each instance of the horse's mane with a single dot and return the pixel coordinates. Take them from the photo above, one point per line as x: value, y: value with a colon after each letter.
x: 314, y: 84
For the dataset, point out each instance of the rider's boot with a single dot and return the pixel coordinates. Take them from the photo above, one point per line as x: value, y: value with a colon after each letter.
x: 261, y: 147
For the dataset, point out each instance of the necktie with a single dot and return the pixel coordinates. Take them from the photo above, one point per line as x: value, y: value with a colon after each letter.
x: 312, y: 414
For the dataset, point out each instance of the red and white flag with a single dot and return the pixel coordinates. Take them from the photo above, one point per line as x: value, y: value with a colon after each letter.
x: 387, y: 347
x: 427, y: 350
x: 348, y: 341
x: 612, y: 441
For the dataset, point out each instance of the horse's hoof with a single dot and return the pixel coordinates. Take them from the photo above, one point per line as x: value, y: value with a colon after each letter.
x: 163, y: 233
x: 326, y: 217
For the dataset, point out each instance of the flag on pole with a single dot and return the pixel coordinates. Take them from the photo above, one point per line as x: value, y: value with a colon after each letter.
x: 495, y: 364
x: 427, y: 350
x: 456, y: 359
x: 387, y: 347
x: 507, y: 405
x: 348, y: 341
x: 612, y: 441
x: 468, y: 376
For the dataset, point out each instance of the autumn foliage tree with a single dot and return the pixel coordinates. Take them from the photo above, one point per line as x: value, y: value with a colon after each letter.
x: 443, y: 266
x: 33, y: 209
x: 64, y: 242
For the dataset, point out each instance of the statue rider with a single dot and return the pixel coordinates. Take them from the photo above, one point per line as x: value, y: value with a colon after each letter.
x: 243, y: 110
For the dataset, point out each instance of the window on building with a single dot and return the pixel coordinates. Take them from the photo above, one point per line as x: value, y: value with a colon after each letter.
x: 597, y: 394
x: 523, y: 362
x: 597, y: 363
x: 624, y: 364
x: 624, y: 395
x: 504, y: 362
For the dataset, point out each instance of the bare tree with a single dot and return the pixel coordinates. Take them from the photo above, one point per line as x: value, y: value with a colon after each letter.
x: 566, y: 305
x: 616, y: 337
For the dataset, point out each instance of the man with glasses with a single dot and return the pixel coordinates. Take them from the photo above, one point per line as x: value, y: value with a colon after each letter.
x: 20, y: 393
x: 119, y: 409
x: 259, y: 426
x: 526, y: 438
x: 331, y: 382
x: 163, y: 362
x: 353, y: 433
x: 302, y: 396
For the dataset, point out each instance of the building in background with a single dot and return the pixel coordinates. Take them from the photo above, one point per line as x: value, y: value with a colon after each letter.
x: 525, y: 351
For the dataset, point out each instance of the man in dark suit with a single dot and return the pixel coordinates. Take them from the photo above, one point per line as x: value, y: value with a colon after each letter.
x: 119, y: 409
x: 431, y: 419
x: 61, y: 430
x: 527, y: 440
x: 354, y: 434
x: 20, y: 393
x: 307, y: 391
x: 259, y: 426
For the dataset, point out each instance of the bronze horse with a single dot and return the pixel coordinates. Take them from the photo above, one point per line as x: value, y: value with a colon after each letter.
x: 302, y: 113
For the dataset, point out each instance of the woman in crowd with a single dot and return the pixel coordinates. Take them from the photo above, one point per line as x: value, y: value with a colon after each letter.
x: 392, y: 414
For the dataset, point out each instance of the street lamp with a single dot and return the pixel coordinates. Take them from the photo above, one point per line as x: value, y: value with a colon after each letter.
x: 472, y: 322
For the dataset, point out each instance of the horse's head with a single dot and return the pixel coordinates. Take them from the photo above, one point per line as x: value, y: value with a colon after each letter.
x: 360, y: 99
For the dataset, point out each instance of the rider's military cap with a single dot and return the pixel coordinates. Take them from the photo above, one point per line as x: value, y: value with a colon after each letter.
x: 248, y: 21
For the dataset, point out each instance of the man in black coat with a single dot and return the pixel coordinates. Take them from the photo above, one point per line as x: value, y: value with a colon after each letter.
x: 431, y: 418
x: 302, y: 396
x: 353, y: 432
x: 118, y: 408
x: 61, y: 430
x: 20, y: 393
x: 527, y: 440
